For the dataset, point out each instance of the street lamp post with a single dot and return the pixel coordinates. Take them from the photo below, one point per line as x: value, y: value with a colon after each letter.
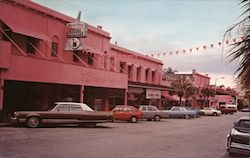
x: 215, y: 82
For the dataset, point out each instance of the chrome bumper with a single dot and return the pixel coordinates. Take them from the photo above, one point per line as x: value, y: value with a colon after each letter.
x: 239, y: 148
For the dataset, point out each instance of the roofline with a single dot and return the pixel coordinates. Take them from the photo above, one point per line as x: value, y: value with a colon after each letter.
x: 40, y: 9
x: 127, y: 51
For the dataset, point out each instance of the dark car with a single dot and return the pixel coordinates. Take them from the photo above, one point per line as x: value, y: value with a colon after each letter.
x: 63, y: 113
x: 127, y: 113
x: 238, y: 140
x: 152, y: 113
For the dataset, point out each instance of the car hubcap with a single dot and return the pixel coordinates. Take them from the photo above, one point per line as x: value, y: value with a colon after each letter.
x: 33, y: 122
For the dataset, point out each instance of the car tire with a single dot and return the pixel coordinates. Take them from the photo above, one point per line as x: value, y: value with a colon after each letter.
x: 157, y: 118
x: 215, y: 114
x: 133, y: 119
x: 187, y: 117
x: 33, y: 121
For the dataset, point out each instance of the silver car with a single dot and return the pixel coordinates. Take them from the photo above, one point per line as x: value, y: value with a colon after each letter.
x: 238, y: 139
x: 152, y: 113
x: 181, y: 112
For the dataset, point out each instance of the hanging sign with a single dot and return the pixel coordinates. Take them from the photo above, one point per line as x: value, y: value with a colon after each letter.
x: 77, y: 29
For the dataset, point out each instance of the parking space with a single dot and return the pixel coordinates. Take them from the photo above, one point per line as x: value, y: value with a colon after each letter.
x: 178, y: 138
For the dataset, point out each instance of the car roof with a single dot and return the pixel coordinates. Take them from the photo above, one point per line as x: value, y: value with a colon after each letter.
x: 83, y: 105
x: 244, y: 118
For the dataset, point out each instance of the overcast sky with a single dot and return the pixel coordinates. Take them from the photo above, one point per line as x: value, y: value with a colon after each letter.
x: 163, y: 26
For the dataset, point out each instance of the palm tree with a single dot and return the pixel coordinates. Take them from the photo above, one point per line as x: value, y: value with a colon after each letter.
x: 241, y: 50
x: 181, y: 87
x: 207, y: 92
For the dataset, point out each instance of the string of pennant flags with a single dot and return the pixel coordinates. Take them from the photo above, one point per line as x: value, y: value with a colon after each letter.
x: 197, y: 49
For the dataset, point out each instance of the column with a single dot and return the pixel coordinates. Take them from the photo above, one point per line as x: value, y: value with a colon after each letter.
x: 81, y: 94
x: 126, y: 97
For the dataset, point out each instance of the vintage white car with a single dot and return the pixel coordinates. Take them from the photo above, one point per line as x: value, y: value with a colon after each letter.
x: 210, y: 111
x: 63, y: 113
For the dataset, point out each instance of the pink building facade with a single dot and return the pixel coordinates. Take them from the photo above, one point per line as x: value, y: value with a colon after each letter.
x: 36, y: 70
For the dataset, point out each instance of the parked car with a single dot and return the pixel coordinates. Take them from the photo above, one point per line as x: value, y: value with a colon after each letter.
x: 245, y: 110
x: 127, y: 113
x: 152, y: 113
x: 199, y: 112
x: 238, y: 140
x: 211, y: 111
x: 228, y: 108
x: 181, y: 112
x: 63, y: 113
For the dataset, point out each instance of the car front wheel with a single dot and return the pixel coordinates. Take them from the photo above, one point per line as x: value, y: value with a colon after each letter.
x: 214, y: 114
x: 157, y: 118
x: 133, y: 119
x: 186, y: 116
x: 33, y: 121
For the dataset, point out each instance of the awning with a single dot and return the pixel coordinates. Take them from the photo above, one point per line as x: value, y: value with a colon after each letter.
x: 172, y: 97
x: 26, y: 30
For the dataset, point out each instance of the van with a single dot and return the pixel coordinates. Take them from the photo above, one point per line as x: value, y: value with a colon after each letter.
x: 228, y: 108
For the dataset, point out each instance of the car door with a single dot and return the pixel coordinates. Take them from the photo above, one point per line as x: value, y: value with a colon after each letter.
x: 176, y: 112
x: 144, y: 109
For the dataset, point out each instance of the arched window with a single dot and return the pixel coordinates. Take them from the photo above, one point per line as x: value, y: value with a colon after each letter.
x: 54, y: 46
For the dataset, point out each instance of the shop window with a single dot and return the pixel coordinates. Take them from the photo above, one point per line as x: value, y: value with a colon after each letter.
x: 90, y: 58
x: 31, y: 44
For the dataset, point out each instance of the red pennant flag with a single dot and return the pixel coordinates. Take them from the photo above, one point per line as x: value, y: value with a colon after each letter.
x: 211, y: 45
x: 219, y: 43
x: 197, y: 48
x: 204, y: 47
x: 190, y: 50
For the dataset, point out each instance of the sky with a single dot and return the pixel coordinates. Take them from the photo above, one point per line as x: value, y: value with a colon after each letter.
x: 164, y: 26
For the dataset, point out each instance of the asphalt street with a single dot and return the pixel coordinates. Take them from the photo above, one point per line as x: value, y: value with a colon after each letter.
x: 203, y: 137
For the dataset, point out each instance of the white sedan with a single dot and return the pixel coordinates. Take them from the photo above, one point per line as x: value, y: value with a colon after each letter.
x: 211, y: 111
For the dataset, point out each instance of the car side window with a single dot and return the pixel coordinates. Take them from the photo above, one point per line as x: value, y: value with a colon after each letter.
x: 75, y: 108
x: 127, y: 109
x: 143, y: 108
x: 62, y: 108
x: 175, y: 109
x: 150, y: 108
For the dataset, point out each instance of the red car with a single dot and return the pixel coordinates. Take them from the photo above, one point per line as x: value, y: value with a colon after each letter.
x: 127, y: 113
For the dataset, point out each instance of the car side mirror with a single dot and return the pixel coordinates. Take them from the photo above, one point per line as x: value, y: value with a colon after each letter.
x: 235, y: 123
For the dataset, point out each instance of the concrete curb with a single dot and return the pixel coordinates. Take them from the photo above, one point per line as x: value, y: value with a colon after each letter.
x: 5, y: 124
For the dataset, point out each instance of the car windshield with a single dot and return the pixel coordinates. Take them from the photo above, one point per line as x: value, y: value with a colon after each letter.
x: 243, y: 124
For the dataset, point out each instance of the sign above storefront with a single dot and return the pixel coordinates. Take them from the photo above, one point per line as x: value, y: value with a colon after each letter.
x: 153, y: 94
x: 77, y: 29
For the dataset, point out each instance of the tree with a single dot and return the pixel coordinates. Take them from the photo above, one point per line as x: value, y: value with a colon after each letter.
x: 240, y: 51
x: 181, y: 87
x: 206, y: 92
